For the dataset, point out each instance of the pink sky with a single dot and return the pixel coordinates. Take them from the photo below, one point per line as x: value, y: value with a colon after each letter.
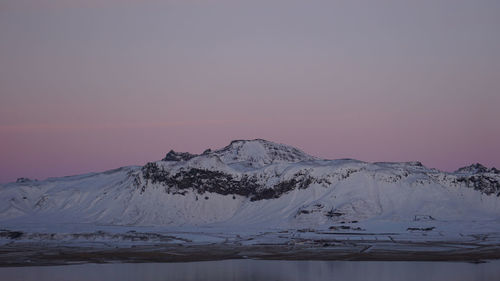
x: 90, y: 86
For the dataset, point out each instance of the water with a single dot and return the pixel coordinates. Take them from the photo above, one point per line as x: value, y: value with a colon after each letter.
x: 243, y: 270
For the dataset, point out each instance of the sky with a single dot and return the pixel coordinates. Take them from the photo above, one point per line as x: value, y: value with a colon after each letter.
x: 92, y: 85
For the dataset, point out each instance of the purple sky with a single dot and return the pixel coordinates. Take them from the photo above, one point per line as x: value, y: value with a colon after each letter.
x: 94, y: 85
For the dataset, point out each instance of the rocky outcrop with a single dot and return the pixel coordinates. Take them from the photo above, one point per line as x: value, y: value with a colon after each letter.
x: 178, y: 156
x: 202, y: 180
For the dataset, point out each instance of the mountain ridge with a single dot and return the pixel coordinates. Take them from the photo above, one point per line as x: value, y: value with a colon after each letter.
x: 256, y: 182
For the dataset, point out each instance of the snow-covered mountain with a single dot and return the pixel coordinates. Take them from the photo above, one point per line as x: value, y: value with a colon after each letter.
x: 256, y: 182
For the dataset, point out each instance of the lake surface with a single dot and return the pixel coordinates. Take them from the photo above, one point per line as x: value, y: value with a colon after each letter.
x: 259, y: 270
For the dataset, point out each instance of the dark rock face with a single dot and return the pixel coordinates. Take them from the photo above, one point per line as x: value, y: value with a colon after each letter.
x: 11, y: 234
x: 480, y: 178
x: 474, y: 169
x: 23, y: 180
x: 482, y: 182
x: 202, y: 181
x: 178, y: 156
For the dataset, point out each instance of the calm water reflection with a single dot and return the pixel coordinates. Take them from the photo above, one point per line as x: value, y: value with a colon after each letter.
x: 259, y: 270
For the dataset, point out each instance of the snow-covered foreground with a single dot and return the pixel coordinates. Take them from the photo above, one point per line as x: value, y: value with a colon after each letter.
x: 138, y: 244
x: 254, y: 193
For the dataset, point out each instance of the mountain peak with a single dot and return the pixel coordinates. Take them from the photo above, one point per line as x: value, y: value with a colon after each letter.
x: 259, y: 152
x: 476, y: 168
x: 254, y: 153
x: 178, y: 156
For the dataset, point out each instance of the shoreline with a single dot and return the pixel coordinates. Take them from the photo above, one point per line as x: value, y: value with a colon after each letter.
x: 42, y: 254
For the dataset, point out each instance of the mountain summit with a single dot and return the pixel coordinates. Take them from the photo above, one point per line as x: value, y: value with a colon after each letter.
x: 260, y: 152
x: 251, y: 153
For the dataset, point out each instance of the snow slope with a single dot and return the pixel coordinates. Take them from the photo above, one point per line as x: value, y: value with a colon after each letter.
x: 260, y: 183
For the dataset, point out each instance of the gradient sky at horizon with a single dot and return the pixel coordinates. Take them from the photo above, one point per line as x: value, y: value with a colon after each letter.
x: 94, y: 85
